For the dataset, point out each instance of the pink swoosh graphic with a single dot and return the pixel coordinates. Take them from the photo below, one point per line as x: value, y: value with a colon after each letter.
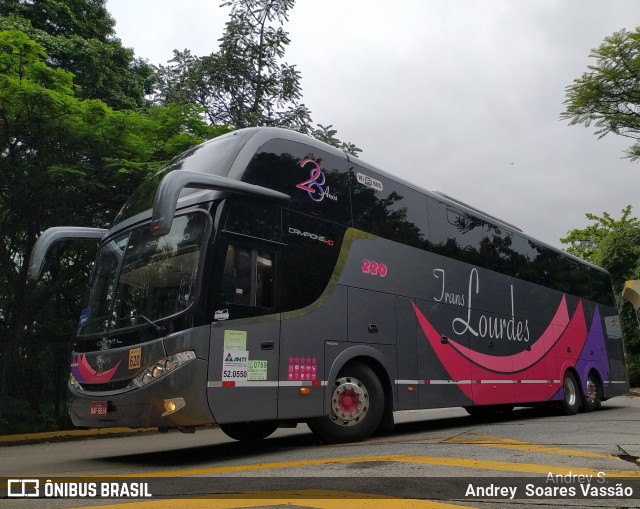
x: 565, y: 349
x: 92, y: 376
x: 524, y: 359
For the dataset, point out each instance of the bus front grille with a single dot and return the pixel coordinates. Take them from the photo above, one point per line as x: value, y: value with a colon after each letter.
x: 110, y: 386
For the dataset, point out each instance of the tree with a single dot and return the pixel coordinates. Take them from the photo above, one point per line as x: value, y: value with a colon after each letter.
x: 63, y: 160
x: 79, y: 37
x: 608, y: 94
x: 614, y: 244
x: 245, y: 84
x: 328, y: 135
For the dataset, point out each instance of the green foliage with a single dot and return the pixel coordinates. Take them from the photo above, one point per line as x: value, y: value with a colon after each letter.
x: 245, y: 83
x: 65, y: 160
x: 328, y: 135
x: 608, y: 95
x: 614, y: 244
x: 79, y: 37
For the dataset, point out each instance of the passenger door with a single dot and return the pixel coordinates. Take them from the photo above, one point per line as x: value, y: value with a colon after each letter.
x: 245, y: 333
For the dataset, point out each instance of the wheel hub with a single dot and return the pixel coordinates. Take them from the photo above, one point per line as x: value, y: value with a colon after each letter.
x: 592, y: 390
x: 350, y: 401
x: 569, y: 392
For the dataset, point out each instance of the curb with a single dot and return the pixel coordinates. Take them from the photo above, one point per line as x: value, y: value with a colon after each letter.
x: 54, y: 436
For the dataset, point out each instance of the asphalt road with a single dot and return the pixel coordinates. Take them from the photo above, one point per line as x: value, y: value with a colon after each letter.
x: 436, y: 458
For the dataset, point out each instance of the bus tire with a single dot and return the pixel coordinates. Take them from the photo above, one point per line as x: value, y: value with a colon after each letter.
x: 571, y: 396
x: 591, y: 400
x: 357, y: 405
x: 249, y: 431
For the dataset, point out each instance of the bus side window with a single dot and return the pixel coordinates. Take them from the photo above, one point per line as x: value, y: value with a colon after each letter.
x: 264, y: 279
x: 248, y: 277
x: 455, y: 234
x: 388, y: 209
x: 236, y: 276
x: 506, y: 252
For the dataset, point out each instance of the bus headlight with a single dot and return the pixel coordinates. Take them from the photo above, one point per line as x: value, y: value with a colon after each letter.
x: 162, y: 368
x: 74, y: 383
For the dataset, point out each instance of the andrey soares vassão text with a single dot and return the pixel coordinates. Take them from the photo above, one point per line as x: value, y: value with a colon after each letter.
x: 555, y: 486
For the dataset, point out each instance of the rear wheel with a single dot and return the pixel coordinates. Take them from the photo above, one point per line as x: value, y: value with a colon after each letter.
x: 571, y: 399
x: 249, y: 431
x: 357, y: 404
x: 591, y: 400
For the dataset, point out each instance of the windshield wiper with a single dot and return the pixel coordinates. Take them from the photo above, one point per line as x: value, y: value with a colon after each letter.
x: 92, y: 321
x: 158, y: 328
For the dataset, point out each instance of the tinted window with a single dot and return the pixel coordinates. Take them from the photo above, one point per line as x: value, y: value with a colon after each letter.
x: 543, y: 265
x: 248, y: 281
x: 236, y: 276
x: 386, y: 208
x: 555, y: 270
x: 455, y: 233
x: 213, y: 157
x: 505, y: 251
x: 317, y: 181
x: 254, y: 218
x: 309, y: 259
x: 601, y: 287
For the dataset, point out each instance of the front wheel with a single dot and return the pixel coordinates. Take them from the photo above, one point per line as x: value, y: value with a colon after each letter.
x: 249, y: 431
x: 357, y: 405
x: 571, y: 399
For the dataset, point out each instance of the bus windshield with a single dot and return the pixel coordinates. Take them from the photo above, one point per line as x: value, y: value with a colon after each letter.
x: 139, y: 278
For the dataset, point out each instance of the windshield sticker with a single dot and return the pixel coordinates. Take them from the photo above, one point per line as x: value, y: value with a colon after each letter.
x: 235, y: 340
x: 312, y: 236
x: 369, y: 182
x: 302, y: 368
x: 221, y: 314
x: 135, y: 357
x: 612, y: 324
x: 315, y: 184
x: 234, y: 365
x: 257, y: 370
x: 84, y: 315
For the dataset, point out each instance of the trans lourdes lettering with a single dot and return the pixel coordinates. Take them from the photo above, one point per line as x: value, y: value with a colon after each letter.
x: 487, y: 326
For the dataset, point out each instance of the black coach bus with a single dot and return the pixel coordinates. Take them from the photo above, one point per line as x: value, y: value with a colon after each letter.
x: 264, y: 278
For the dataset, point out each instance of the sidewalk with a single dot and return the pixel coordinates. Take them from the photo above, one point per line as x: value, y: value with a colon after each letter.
x: 54, y: 436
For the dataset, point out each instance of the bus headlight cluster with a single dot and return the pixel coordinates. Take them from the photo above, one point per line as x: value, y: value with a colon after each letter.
x: 74, y: 383
x: 163, y: 367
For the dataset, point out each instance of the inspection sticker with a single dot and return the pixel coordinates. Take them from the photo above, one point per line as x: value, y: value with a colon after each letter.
x: 234, y: 365
x: 235, y: 340
x: 257, y: 370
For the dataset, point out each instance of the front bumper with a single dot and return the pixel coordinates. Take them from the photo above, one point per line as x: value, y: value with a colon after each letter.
x: 143, y: 407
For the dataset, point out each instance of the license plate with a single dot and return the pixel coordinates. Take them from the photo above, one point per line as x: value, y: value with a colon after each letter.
x: 98, y: 408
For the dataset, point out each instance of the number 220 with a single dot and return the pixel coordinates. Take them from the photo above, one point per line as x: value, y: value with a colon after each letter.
x: 374, y: 268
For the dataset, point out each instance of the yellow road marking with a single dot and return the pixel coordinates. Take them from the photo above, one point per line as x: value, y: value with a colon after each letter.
x: 509, y: 443
x: 503, y: 466
x: 320, y: 499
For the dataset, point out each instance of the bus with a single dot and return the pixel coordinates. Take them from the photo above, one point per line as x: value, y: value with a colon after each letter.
x: 265, y: 279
